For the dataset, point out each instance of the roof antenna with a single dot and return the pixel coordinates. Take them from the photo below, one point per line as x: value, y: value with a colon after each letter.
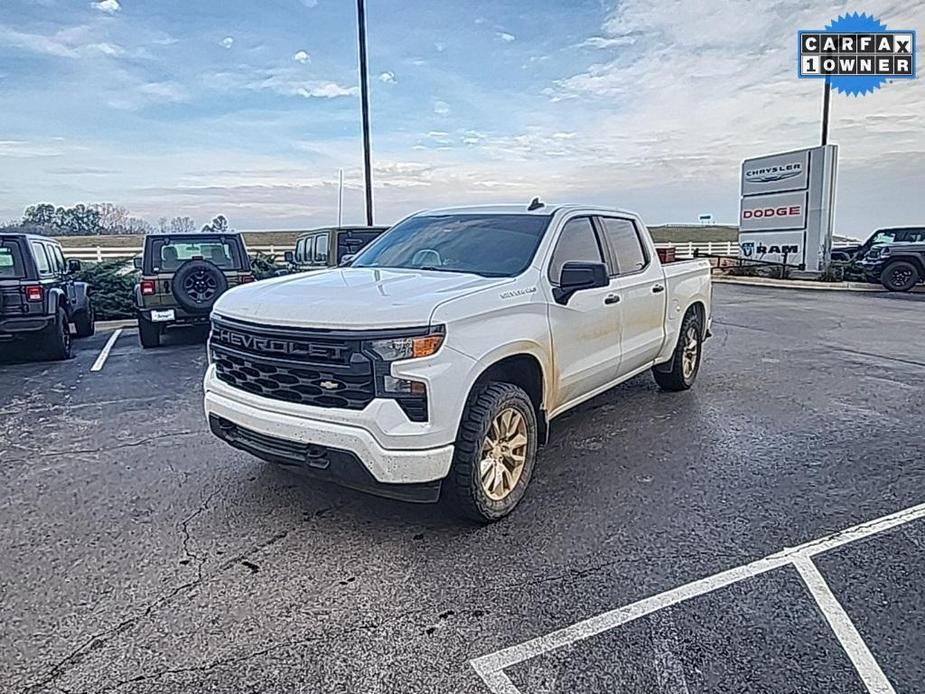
x: 535, y: 204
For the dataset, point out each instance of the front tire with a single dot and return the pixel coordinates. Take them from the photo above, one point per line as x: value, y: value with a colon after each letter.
x: 85, y: 322
x: 56, y: 342
x: 900, y: 276
x: 495, y: 453
x: 149, y: 334
x: 685, y: 363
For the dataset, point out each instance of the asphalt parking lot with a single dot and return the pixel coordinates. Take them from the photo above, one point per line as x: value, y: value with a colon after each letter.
x: 139, y: 554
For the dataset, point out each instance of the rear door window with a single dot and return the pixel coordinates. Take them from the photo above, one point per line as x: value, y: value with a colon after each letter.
x: 11, y: 264
x: 625, y: 244
x: 41, y: 258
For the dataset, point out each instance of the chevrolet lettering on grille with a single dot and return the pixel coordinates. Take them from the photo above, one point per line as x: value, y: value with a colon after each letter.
x: 254, y: 343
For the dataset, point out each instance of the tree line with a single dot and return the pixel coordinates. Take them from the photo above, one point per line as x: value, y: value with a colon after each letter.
x: 102, y: 219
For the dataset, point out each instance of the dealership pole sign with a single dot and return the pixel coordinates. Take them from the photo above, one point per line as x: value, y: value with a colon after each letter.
x: 786, y: 207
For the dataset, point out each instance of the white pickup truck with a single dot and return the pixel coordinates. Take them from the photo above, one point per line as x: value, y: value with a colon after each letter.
x: 433, y: 364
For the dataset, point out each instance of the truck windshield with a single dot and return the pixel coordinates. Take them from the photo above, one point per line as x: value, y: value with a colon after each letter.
x: 11, y: 265
x: 491, y: 245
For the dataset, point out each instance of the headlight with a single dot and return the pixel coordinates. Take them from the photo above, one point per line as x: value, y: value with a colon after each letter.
x: 398, y: 348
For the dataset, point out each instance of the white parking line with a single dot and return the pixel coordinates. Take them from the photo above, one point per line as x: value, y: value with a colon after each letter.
x: 490, y: 667
x: 849, y: 638
x: 104, y: 355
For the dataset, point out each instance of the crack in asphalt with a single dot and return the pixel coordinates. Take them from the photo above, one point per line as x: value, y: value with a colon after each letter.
x: 105, y: 449
x: 234, y: 660
x: 99, y: 640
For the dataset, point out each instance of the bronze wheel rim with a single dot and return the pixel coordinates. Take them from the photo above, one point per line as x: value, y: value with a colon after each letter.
x: 691, y: 351
x: 504, y: 454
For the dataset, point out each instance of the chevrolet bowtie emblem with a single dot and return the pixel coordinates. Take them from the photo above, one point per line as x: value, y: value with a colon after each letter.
x: 329, y: 385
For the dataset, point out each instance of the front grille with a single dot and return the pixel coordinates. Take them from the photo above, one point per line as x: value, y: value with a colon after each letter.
x: 299, y: 366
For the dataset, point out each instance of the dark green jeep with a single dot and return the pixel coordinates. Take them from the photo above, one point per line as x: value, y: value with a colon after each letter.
x: 321, y: 248
x: 182, y: 277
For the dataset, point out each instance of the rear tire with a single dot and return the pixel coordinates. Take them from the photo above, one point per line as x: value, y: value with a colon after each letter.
x: 85, y: 322
x: 900, y: 276
x: 495, y: 453
x: 149, y: 334
x: 685, y: 362
x: 56, y: 341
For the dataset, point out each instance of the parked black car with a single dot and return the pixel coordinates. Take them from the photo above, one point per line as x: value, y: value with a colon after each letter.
x: 182, y: 277
x: 897, y: 266
x: 881, y: 236
x: 321, y: 248
x: 39, y: 297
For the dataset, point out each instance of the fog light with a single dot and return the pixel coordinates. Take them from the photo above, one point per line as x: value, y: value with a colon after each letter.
x: 403, y: 386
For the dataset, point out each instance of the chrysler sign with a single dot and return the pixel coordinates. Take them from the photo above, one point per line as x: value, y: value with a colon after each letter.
x: 775, y: 174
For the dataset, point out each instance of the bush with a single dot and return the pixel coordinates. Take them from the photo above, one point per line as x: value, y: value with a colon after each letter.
x: 264, y: 266
x: 111, y: 285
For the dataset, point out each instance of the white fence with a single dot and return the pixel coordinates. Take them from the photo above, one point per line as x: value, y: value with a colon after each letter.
x: 100, y: 253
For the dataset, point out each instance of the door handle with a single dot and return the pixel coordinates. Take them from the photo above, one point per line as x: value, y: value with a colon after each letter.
x: 658, y: 289
x: 612, y: 299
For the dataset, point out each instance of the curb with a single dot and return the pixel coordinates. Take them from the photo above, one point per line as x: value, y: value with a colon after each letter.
x: 115, y: 324
x: 803, y: 284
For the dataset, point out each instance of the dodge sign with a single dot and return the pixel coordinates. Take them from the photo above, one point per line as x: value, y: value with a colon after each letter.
x: 781, y: 211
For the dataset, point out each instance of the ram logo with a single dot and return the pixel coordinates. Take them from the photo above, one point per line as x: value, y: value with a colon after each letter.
x: 748, y: 249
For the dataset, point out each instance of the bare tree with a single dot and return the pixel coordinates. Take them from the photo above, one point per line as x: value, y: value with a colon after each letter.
x: 113, y: 218
x: 162, y: 224
x: 182, y: 225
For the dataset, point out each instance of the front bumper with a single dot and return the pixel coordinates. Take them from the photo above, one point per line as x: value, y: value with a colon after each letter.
x: 309, y: 426
x: 11, y: 328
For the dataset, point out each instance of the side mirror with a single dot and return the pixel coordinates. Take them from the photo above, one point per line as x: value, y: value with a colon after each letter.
x: 347, y: 259
x: 289, y: 257
x: 73, y: 265
x: 137, y: 262
x: 576, y: 277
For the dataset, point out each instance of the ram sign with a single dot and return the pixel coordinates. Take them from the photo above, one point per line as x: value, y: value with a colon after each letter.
x: 786, y: 207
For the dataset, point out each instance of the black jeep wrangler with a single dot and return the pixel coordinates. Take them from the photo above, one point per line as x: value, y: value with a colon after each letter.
x: 182, y: 277
x: 39, y: 297
x: 897, y: 266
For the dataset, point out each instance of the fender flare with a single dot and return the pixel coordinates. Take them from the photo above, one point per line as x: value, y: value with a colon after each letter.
x: 81, y: 297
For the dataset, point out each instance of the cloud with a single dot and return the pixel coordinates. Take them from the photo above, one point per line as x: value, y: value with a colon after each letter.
x: 607, y: 42
x: 388, y: 77
x: 164, y: 91
x: 439, y: 47
x: 441, y: 108
x: 506, y: 37
x: 227, y: 42
x: 72, y: 42
x: 325, y: 90
x: 302, y: 57
x: 107, y: 6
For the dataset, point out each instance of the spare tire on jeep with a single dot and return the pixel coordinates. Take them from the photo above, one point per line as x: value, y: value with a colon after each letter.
x: 197, y: 285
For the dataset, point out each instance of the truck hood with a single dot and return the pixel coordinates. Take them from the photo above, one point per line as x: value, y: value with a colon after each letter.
x: 353, y: 298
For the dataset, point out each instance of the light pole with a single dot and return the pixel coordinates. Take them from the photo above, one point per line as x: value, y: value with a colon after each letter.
x: 364, y: 99
x: 825, y: 110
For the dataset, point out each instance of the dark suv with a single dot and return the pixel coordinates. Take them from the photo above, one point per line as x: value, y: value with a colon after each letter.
x: 182, y: 277
x: 39, y: 297
x: 321, y: 248
x: 881, y: 236
x: 897, y: 266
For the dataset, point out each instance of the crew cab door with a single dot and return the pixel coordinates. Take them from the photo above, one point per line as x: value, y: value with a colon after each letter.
x: 640, y: 283
x: 586, y: 330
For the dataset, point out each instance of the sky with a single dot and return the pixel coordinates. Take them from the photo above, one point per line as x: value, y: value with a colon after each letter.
x: 249, y: 109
